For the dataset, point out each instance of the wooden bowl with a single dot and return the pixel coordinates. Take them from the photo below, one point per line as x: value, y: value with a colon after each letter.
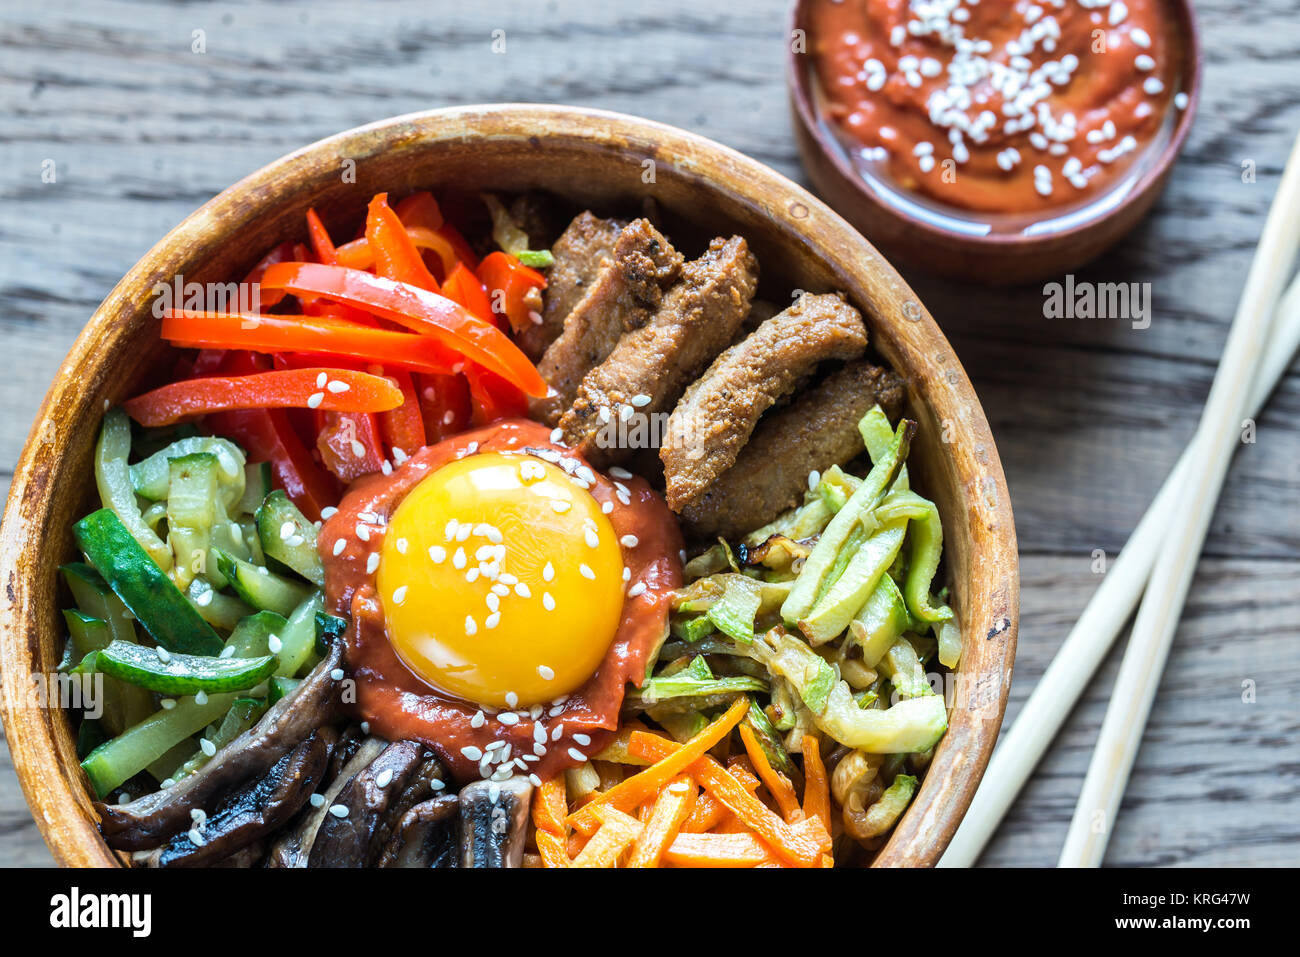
x: 596, y: 158
x: 1003, y: 257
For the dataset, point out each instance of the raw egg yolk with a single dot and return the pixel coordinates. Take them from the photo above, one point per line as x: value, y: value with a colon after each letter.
x: 501, y: 581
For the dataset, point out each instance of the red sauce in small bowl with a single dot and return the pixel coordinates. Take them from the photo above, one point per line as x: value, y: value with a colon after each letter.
x: 991, y: 108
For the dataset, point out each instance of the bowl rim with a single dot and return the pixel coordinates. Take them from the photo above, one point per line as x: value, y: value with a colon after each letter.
x: 58, y: 800
x: 797, y: 81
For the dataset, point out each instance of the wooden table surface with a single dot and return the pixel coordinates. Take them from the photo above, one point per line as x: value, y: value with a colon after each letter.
x: 1089, y: 415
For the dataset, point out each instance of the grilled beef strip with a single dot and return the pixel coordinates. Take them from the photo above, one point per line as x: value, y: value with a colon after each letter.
x: 818, y: 430
x: 150, y: 820
x: 578, y: 255
x: 714, y: 420
x: 651, y: 366
x: 624, y: 294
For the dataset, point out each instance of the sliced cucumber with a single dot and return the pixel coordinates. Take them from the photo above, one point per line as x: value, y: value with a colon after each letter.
x: 252, y: 636
x: 177, y: 674
x: 257, y: 486
x: 141, y: 745
x: 151, y: 478
x: 217, y: 609
x: 279, y: 687
x: 260, y: 587
x: 243, y: 714
x: 143, y: 587
x: 298, y: 638
x: 289, y: 538
x: 191, y: 512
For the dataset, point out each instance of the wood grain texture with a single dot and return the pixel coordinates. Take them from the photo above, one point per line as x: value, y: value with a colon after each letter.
x: 1089, y: 414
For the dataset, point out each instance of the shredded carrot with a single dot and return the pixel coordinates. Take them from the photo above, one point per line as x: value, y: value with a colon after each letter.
x: 616, y: 750
x: 717, y: 850
x: 791, y: 845
x: 616, y: 834
x: 709, y: 813
x: 552, y: 849
x: 551, y: 805
x: 644, y: 785
x: 816, y: 790
x: 778, y: 785
x: 670, y: 809
x: 741, y: 770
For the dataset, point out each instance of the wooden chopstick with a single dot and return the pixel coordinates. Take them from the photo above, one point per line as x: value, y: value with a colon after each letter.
x: 1195, y: 499
x: 1043, y: 713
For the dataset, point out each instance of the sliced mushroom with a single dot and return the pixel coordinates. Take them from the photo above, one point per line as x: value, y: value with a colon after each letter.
x: 425, y: 836
x: 494, y: 822
x: 152, y: 819
x: 292, y: 847
x: 354, y: 831
x: 251, y: 811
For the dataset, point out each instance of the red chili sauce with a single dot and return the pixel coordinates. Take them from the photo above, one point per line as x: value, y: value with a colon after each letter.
x: 997, y: 106
x: 399, y: 705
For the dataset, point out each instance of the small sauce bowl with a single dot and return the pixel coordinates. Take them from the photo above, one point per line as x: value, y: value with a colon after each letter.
x: 991, y: 247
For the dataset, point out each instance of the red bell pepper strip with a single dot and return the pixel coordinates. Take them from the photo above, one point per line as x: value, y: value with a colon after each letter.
x: 281, y: 253
x: 419, y: 209
x: 463, y: 287
x: 337, y: 390
x: 493, y: 398
x: 321, y: 243
x: 316, y: 334
x: 445, y: 405
x: 349, y: 444
x: 395, y: 255
x: 461, y: 249
x: 509, y: 283
x: 267, y: 436
x: 359, y: 254
x: 403, y: 426
x: 418, y: 309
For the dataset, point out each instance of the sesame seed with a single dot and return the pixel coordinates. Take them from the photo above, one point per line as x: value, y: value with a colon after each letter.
x: 577, y: 755
x: 365, y: 727
x: 593, y: 540
x: 287, y: 530
x: 627, y: 574
x: 472, y: 753
x: 557, y: 732
x: 437, y: 554
x: 1140, y: 37
x: 337, y: 674
x: 501, y: 589
x: 1180, y: 100
x: 399, y: 595
x: 478, y: 719
x: 315, y: 399
x: 399, y: 455
x: 539, y: 749
x: 463, y: 532
x: 493, y: 601
x: 195, y: 837
x: 635, y: 590
x: 512, y: 699
x: 372, y: 563
x: 629, y: 541
x: 607, y: 507
x: 459, y: 561
x: 523, y: 591
x: 1152, y: 86
x: 201, y: 698
x: 559, y: 506
x: 384, y: 778
x: 547, y: 601
x: 471, y: 626
x: 814, y: 479
x: 274, y: 644
x: 556, y: 436
x: 585, y: 571
x: 492, y: 620
x: 227, y: 652
x: 339, y: 810
x: 582, y: 739
x: 336, y: 386
x: 508, y: 718
x: 535, y: 780
x: 402, y: 545
x: 546, y: 674
x: 386, y: 467
x: 548, y: 572
x: 322, y: 379
x: 1144, y: 62
x: 207, y: 747
x: 162, y: 654
x: 363, y: 532
x: 317, y: 800
x: 328, y: 512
